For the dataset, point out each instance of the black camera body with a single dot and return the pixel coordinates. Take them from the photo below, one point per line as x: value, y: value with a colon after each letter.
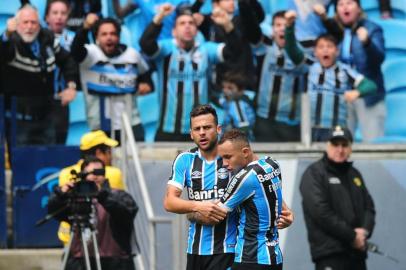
x: 81, y: 196
x: 83, y: 188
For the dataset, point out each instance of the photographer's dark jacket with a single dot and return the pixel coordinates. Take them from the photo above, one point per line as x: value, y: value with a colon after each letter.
x: 116, y: 210
x: 335, y: 201
x: 25, y: 74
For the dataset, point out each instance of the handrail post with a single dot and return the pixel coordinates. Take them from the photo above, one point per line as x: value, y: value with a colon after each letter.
x: 305, y: 121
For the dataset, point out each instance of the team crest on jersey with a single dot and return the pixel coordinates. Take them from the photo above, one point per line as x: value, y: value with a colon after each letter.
x: 196, y: 174
x: 197, y: 57
x: 222, y: 173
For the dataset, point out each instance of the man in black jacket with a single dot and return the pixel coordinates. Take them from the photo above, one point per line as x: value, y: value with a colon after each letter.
x: 29, y: 56
x: 338, y: 209
x: 113, y: 212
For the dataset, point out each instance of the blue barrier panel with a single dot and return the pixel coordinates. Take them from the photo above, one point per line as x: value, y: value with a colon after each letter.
x: 30, y: 165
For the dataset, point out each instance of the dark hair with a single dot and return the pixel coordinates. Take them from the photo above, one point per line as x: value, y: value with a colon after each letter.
x: 107, y: 20
x: 202, y: 110
x: 235, y: 135
x: 183, y: 8
x: 92, y: 151
x: 90, y: 159
x: 336, y: 3
x: 327, y: 37
x: 279, y: 14
x: 237, y: 78
x: 50, y: 2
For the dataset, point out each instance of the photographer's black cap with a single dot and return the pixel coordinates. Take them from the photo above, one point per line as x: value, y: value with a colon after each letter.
x: 339, y: 132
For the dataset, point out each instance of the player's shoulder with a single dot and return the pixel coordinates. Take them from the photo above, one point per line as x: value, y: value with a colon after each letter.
x: 265, y: 164
x: 186, y: 156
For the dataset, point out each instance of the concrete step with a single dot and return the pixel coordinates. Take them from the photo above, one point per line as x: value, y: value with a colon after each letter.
x: 30, y: 259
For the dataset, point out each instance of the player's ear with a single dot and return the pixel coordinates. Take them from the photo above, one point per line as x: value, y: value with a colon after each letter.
x: 218, y: 129
x: 246, y: 151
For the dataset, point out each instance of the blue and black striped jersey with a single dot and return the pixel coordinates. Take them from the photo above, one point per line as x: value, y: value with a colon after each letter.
x: 326, y: 88
x: 239, y: 114
x: 280, y: 85
x: 183, y: 78
x: 257, y: 191
x: 205, y: 180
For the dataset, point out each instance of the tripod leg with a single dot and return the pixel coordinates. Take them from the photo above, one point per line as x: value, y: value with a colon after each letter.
x: 85, y: 250
x: 96, y: 250
x: 67, y: 250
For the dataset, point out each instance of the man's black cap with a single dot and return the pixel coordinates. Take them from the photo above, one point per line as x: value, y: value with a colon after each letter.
x: 339, y: 132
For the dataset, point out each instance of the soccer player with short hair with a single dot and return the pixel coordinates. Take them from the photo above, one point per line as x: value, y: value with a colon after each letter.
x: 200, y: 170
x: 184, y: 67
x: 257, y: 190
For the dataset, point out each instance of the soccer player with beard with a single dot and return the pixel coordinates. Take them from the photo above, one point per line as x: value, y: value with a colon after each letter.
x: 29, y: 57
x: 201, y: 172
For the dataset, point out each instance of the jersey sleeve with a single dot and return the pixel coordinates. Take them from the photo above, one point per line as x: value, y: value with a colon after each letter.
x: 142, y: 64
x: 179, y: 171
x: 165, y: 47
x: 92, y: 52
x: 353, y: 76
x: 215, y: 52
x: 240, y: 188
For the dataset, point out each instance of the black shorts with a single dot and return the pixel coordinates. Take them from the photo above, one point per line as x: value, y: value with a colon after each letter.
x: 209, y: 262
x: 255, y: 266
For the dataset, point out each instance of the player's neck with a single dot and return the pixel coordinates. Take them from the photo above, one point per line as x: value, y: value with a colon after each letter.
x: 209, y: 155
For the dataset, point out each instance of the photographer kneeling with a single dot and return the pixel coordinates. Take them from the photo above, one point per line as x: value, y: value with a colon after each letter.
x: 111, y: 212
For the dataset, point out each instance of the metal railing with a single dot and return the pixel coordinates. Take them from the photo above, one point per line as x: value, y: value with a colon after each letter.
x: 146, y: 221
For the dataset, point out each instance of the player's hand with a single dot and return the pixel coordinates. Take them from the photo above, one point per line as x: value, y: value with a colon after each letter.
x: 211, y: 211
x: 90, y: 20
x: 164, y: 10
x: 198, y: 218
x: 144, y: 88
x: 290, y: 17
x: 67, y: 96
x: 360, y: 239
x: 11, y: 25
x: 362, y: 34
x: 351, y: 96
x: 221, y: 17
x: 320, y: 10
x: 285, y: 219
